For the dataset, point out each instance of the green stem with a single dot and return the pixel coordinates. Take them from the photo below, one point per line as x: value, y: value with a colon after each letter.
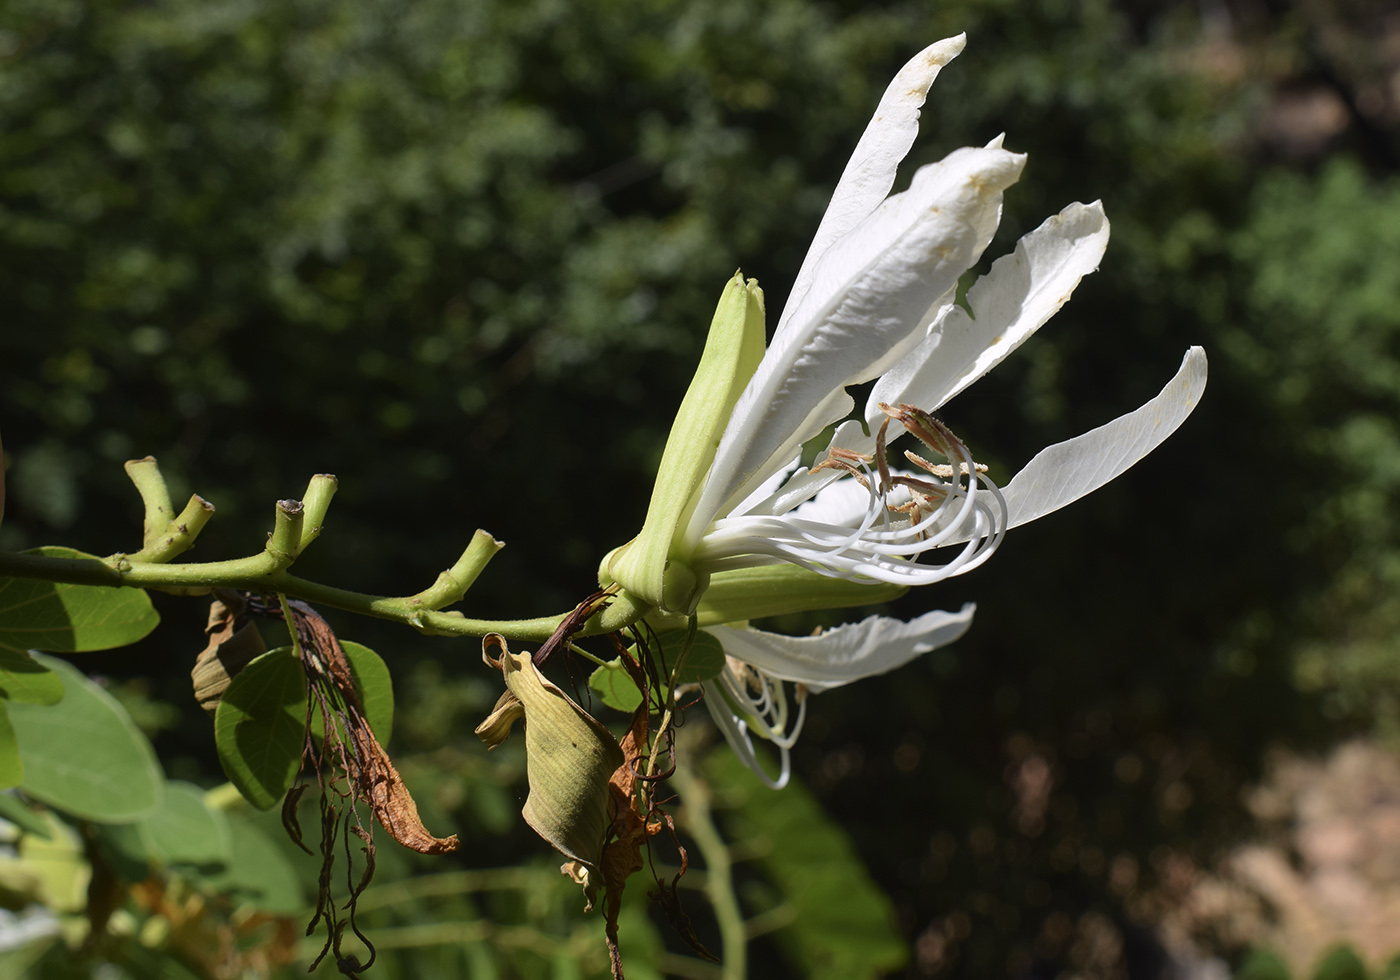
x: 719, y: 879
x: 267, y: 573
x: 453, y: 584
x: 317, y: 500
x: 178, y: 535
x: 692, y: 628
x: 145, y: 473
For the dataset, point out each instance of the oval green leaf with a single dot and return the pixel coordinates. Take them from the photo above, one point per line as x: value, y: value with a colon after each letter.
x: 375, y: 687
x: 62, y: 618
x: 614, y: 686
x: 259, y: 875
x: 184, y: 831
x: 260, y: 726
x: 704, y: 663
x: 85, y: 755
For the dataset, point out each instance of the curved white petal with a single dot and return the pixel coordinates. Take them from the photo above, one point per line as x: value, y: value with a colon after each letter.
x: 736, y: 733
x: 1010, y: 303
x: 869, y: 295
x: 847, y: 653
x: 870, y: 172
x: 1068, y: 470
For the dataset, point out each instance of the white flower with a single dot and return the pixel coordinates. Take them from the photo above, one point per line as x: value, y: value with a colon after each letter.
x: 875, y: 299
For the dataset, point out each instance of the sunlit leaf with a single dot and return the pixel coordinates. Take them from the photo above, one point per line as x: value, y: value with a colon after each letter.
x: 62, y: 618
x: 84, y: 755
x: 259, y: 727
x: 375, y: 687
x: 52, y: 871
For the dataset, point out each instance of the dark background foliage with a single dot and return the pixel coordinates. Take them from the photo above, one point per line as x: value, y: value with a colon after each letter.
x: 463, y: 256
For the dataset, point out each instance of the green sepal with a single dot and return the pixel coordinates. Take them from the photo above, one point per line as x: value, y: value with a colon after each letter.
x: 776, y: 590
x: 651, y: 566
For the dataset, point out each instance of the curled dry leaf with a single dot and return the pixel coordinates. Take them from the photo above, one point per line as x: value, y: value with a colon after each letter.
x: 629, y: 830
x: 233, y: 641
x: 570, y: 758
x: 379, y: 782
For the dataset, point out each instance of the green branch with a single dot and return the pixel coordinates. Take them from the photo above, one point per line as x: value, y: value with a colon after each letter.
x: 265, y: 573
x: 296, y: 524
x: 697, y: 817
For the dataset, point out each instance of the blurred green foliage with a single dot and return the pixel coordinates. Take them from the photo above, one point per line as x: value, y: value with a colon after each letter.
x: 463, y: 255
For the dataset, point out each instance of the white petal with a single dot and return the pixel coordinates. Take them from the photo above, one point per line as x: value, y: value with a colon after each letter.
x: 870, y: 172
x: 769, y: 487
x: 847, y: 653
x: 1068, y: 470
x: 1010, y: 303
x: 1014, y: 299
x: 868, y: 298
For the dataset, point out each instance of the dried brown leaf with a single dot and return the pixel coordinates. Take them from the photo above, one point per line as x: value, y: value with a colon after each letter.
x: 379, y: 783
x: 233, y: 641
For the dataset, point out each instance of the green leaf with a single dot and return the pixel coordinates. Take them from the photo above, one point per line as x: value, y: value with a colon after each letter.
x: 375, y: 687
x: 184, y: 831
x: 11, y: 767
x: 843, y: 924
x: 705, y: 662
x: 13, y: 809
x: 17, y: 961
x: 37, y: 615
x: 614, y: 686
x: 85, y: 755
x: 22, y: 678
x: 124, y: 850
x: 259, y: 728
x: 258, y: 875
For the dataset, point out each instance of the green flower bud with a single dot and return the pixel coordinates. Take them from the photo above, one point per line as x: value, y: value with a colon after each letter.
x: 653, y: 565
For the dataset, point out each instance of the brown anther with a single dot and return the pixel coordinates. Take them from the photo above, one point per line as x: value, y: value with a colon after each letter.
x: 882, y: 458
x: 833, y: 462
